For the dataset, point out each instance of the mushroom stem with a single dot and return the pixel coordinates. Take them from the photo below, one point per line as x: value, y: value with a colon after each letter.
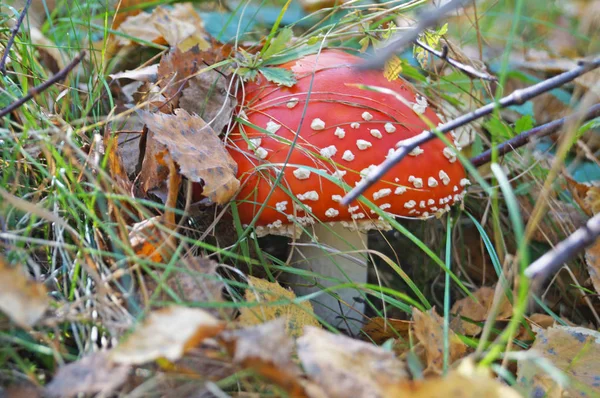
x: 334, y: 258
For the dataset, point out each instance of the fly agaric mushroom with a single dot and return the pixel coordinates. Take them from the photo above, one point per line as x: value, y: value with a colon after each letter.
x: 343, y: 132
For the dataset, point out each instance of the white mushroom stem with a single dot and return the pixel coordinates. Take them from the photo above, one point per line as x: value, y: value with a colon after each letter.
x: 333, y: 256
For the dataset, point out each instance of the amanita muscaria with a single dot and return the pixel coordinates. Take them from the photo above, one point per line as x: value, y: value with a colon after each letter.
x: 343, y: 131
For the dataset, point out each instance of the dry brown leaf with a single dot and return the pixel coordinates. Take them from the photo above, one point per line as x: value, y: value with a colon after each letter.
x: 536, y: 321
x: 23, y: 300
x: 429, y: 329
x: 179, y: 26
x: 268, y: 350
x: 592, y: 259
x: 155, y: 170
x: 168, y: 333
x: 91, y: 374
x: 296, y: 315
x: 198, y: 151
x: 573, y: 350
x: 465, y: 382
x: 478, y: 310
x: 381, y: 329
x: 131, y: 10
x: 344, y: 367
x: 148, y: 240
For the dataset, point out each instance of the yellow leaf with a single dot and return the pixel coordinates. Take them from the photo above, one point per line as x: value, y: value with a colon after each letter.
x: 393, y: 68
x: 262, y: 291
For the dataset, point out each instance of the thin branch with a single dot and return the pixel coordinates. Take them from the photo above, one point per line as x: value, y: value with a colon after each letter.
x: 58, y: 77
x: 466, y: 69
x: 427, y: 20
x: 518, y: 97
x: 11, y: 40
x: 563, y: 251
x: 539, y: 131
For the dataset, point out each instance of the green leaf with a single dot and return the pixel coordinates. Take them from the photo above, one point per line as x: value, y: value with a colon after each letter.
x: 498, y: 128
x: 279, y: 43
x: 524, y: 123
x: 279, y: 75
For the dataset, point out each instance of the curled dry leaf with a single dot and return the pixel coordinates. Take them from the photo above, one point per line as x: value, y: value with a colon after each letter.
x: 24, y: 301
x: 380, y: 329
x: 344, y: 367
x: 465, y: 382
x: 198, y: 151
x: 429, y: 330
x: 168, y: 333
x: 268, y: 350
x: 148, y: 240
x: 573, y: 350
x: 92, y: 374
x: 479, y: 310
x: 296, y: 315
x: 179, y: 26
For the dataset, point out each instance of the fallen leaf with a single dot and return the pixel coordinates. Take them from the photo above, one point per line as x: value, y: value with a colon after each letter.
x: 23, y: 300
x: 179, y: 26
x: 149, y: 240
x: 478, y: 310
x: 393, y: 68
x: 198, y: 151
x: 465, y: 382
x: 143, y: 74
x: 168, y: 333
x: 592, y: 259
x: 429, y: 329
x: 536, y: 321
x: 268, y: 350
x: 296, y: 315
x: 573, y: 350
x: 381, y: 329
x: 155, y: 171
x: 344, y: 367
x: 91, y: 374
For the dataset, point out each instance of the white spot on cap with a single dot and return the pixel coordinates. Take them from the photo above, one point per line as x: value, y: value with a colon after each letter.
x: 382, y: 193
x: 358, y: 216
x: 385, y: 206
x: 433, y: 208
x: 336, y: 198
x: 272, y: 127
x: 329, y: 151
x: 416, y: 152
x: 348, y: 155
x: 367, y: 116
x: 338, y: 174
x: 355, y: 125
x: 421, y: 104
x: 390, y: 153
x: 449, y: 154
x: 352, y: 209
x: 367, y: 170
x: 317, y: 124
x: 455, y: 189
x: 464, y: 182
x: 410, y: 204
x: 340, y: 132
x: 400, y: 190
x: 444, y: 177
x: 432, y: 182
x: 301, y: 174
x: 292, y: 102
x: 389, y: 127
x: 422, y: 204
x: 376, y: 133
x: 261, y: 153
x: 281, y: 206
x: 417, y: 182
x: 431, y: 202
x: 310, y: 195
x: 362, y: 144
x: 331, y: 212
x: 254, y: 143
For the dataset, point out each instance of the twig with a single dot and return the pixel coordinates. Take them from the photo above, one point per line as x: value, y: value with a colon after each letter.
x: 565, y: 250
x: 60, y: 76
x: 539, y: 131
x: 518, y: 97
x: 11, y: 39
x: 466, y: 69
x: 426, y: 21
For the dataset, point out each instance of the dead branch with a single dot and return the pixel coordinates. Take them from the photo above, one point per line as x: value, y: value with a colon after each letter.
x: 11, y: 39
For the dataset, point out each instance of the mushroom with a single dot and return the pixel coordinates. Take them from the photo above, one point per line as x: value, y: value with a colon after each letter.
x: 339, y: 136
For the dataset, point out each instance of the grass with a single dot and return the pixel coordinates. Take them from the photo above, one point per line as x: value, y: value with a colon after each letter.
x: 65, y: 220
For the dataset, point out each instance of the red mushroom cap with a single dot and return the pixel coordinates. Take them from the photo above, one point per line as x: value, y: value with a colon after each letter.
x: 344, y: 132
